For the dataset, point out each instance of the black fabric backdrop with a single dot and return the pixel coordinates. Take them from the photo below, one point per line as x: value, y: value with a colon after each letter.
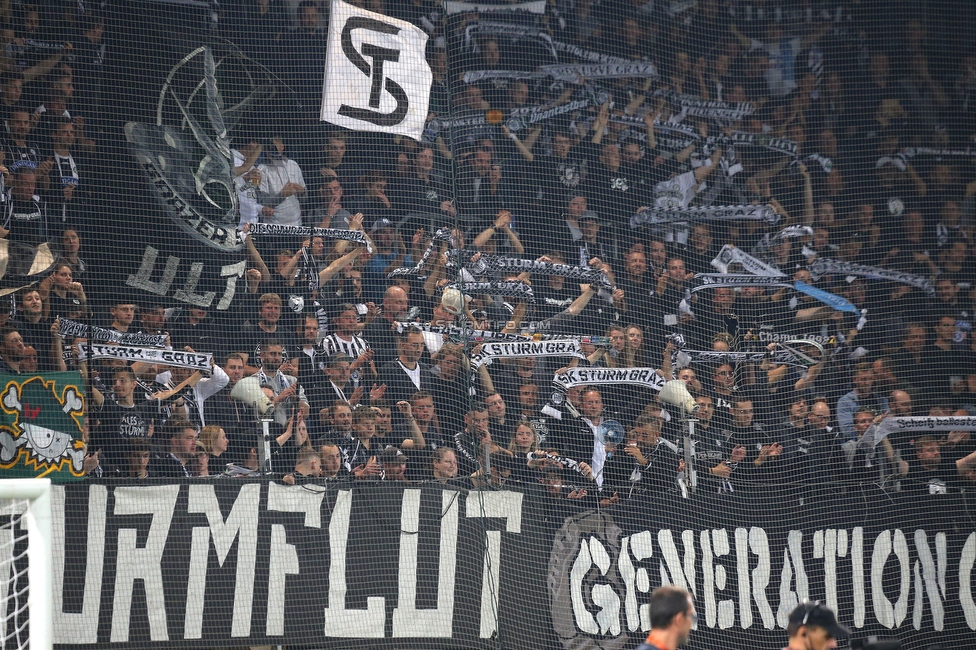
x: 567, y: 577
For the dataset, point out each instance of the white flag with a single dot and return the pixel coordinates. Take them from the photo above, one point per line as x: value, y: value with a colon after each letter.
x: 376, y: 73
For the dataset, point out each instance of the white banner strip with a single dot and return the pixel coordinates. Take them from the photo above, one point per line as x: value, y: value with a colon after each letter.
x: 534, y: 7
x: 193, y: 360
x: 926, y: 423
x: 551, y: 348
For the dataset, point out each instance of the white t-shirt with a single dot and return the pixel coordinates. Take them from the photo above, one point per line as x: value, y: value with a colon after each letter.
x: 274, y: 175
x: 247, y: 194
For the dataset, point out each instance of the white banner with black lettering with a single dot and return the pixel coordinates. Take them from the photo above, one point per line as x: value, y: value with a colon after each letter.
x: 192, y: 360
x: 926, y: 423
x: 376, y: 73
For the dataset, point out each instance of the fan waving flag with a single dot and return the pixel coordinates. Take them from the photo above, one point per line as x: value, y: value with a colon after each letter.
x: 376, y: 73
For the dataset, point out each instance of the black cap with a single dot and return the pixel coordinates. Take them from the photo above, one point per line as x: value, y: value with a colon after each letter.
x: 392, y: 456
x: 819, y: 615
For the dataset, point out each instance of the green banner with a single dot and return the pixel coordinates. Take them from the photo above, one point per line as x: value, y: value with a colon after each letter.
x: 41, y: 426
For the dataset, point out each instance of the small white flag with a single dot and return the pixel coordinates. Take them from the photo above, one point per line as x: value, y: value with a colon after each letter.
x: 376, y: 73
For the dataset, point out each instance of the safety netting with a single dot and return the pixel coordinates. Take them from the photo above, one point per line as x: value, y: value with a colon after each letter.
x: 467, y: 324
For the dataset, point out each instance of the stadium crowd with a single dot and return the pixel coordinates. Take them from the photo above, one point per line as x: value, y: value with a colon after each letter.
x: 859, y: 144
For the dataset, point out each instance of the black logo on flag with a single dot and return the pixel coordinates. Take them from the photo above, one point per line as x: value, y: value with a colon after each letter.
x: 374, y: 72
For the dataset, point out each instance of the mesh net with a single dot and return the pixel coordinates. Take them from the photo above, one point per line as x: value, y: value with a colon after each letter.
x: 459, y: 314
x: 14, y: 613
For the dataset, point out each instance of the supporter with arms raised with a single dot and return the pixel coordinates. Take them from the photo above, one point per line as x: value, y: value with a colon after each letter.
x: 120, y: 418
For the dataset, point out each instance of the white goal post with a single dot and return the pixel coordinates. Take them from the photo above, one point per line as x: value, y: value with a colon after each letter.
x: 34, y: 520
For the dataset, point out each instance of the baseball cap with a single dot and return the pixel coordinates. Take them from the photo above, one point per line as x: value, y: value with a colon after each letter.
x: 819, y: 615
x: 392, y: 456
x: 589, y: 214
x: 381, y: 223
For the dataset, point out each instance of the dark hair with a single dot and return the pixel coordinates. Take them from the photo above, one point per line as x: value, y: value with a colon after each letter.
x: 127, y: 372
x: 176, y: 426
x: 666, y: 603
x: 478, y: 407
x: 268, y: 343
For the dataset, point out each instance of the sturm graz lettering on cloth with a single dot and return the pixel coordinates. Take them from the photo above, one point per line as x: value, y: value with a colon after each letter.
x: 193, y: 360
x: 647, y: 377
x: 823, y: 266
x: 549, y: 348
x: 73, y: 329
x: 733, y: 280
x: 355, y: 236
x: 488, y: 263
x: 376, y: 75
x: 658, y: 216
x: 512, y: 289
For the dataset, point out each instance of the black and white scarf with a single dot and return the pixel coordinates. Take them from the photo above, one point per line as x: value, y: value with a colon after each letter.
x: 457, y: 7
x: 193, y: 360
x: 563, y: 381
x: 513, y: 288
x: 355, y: 236
x: 565, y: 347
x: 658, y: 216
x: 731, y: 255
x: 442, y: 234
x: 823, y: 266
x: 488, y: 263
x: 735, y: 280
x: 69, y: 328
x: 697, y: 107
x: 571, y: 72
x: 788, y: 353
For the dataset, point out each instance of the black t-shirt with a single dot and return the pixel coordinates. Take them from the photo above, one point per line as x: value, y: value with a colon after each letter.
x: 26, y: 221
x: 116, y: 426
x: 940, y: 480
